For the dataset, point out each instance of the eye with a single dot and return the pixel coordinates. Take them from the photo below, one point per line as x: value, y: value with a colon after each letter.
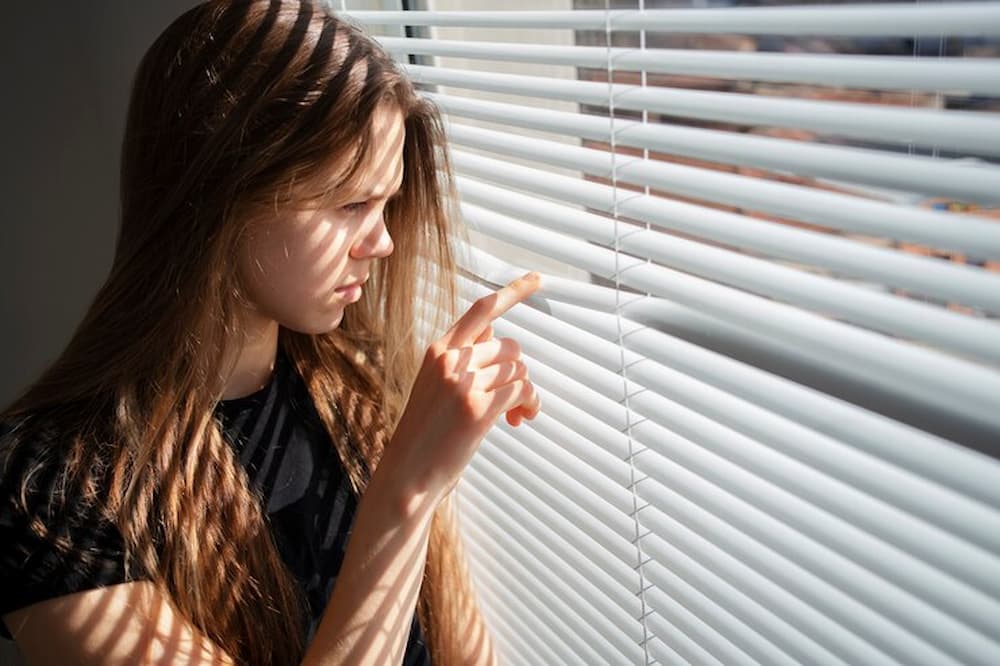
x: 354, y: 207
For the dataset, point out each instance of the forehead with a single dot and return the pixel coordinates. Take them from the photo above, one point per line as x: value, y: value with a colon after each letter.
x: 383, y: 169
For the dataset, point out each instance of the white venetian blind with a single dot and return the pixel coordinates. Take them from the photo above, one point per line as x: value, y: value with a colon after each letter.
x: 768, y: 348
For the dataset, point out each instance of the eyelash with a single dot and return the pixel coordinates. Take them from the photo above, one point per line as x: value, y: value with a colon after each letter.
x: 354, y: 207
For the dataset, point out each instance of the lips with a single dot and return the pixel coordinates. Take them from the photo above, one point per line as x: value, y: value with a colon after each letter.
x: 353, y: 284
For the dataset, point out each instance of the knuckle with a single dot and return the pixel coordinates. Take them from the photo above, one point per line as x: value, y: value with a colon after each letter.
x: 435, y: 350
x: 444, y: 362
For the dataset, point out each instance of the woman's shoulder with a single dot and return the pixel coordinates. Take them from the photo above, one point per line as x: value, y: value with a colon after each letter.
x: 54, y: 536
x: 27, y: 447
x: 36, y: 481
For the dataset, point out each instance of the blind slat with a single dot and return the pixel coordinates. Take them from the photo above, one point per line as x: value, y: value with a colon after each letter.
x: 543, y: 336
x: 521, y: 465
x: 960, y: 18
x: 805, y: 601
x: 527, y: 613
x: 921, y: 374
x: 748, y: 379
x: 979, y: 75
x: 769, y: 475
x: 975, y: 132
x: 958, y: 471
x: 852, y: 258
x: 971, y: 182
x: 618, y: 579
x: 763, y: 476
x: 623, y: 636
x: 977, y: 236
x: 582, y: 624
x: 945, y: 329
x: 549, y: 549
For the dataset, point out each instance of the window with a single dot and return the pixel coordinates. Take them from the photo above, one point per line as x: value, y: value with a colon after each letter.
x: 768, y: 347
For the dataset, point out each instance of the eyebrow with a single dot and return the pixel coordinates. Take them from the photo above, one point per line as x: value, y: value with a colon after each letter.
x: 371, y: 193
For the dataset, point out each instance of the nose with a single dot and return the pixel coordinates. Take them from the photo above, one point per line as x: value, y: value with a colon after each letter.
x: 375, y: 243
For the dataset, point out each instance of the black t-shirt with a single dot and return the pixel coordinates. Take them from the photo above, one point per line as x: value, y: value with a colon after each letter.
x: 288, y: 455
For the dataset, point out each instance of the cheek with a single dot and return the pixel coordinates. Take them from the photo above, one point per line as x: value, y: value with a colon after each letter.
x: 286, y: 273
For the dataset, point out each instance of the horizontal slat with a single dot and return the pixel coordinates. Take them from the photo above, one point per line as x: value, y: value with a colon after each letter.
x: 612, y: 642
x: 713, y: 645
x: 974, y: 132
x: 540, y: 605
x: 527, y: 611
x: 977, y: 236
x: 945, y: 280
x: 960, y: 18
x: 942, y: 507
x: 939, y: 327
x: 715, y: 626
x: 817, y: 577
x: 965, y: 181
x: 975, y: 75
x: 807, y: 602
x: 697, y: 586
x: 620, y: 631
x: 969, y: 390
x: 797, y: 359
x: 960, y: 472
x: 915, y: 538
x: 611, y: 597
x: 613, y: 576
x: 513, y: 640
x: 939, y: 506
x: 805, y: 638
x: 529, y: 470
x: 568, y: 422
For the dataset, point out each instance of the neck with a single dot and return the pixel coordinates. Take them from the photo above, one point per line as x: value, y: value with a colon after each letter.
x: 255, y: 358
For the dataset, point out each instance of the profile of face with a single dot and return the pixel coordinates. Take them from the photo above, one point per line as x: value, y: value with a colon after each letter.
x: 295, y: 263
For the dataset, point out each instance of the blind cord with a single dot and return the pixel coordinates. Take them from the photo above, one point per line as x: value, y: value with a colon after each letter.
x: 633, y: 481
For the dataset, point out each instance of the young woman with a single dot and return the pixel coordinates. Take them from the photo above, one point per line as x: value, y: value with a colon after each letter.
x: 180, y: 485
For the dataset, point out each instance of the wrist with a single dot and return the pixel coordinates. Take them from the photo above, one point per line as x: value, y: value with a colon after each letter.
x: 409, y: 498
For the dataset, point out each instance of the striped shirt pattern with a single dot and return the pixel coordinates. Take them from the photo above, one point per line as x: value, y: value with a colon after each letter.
x: 309, y: 502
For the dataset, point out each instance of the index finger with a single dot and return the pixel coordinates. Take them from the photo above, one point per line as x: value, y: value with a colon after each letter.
x: 479, y: 316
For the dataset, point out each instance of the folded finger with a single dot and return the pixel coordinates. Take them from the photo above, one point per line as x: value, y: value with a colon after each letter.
x: 485, y: 335
x: 498, y: 374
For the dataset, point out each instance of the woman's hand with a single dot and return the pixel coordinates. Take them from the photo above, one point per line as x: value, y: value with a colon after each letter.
x: 468, y: 378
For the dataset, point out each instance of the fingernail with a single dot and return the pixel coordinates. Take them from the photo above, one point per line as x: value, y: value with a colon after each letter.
x: 532, y: 276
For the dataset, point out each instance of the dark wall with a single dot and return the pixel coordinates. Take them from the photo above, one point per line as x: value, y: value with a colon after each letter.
x: 66, y: 68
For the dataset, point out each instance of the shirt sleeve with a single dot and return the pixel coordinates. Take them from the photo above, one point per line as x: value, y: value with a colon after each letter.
x: 50, y: 545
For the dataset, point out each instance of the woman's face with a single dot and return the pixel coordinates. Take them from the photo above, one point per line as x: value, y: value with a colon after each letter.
x: 295, y: 263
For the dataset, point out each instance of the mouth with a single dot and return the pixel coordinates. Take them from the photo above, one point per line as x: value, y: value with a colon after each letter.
x: 352, y: 284
x: 351, y: 293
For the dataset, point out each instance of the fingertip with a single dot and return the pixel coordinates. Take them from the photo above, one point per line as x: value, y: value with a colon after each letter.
x: 531, y: 281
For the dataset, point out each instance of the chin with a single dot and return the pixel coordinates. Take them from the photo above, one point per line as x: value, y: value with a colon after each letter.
x: 317, y: 326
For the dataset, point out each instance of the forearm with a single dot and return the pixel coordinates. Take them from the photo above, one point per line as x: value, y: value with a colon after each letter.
x: 368, y: 616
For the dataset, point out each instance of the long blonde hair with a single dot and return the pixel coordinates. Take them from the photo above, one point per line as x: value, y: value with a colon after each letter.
x: 235, y: 104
